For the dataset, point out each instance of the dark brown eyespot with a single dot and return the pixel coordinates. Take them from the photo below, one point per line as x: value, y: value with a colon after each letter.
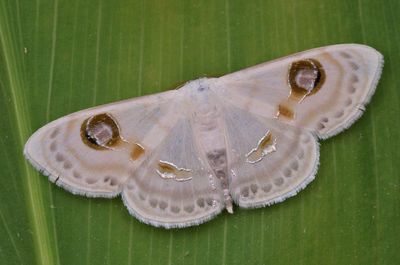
x: 306, y: 77
x: 100, y: 131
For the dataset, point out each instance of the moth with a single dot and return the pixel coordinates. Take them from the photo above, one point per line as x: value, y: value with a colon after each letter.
x: 179, y: 157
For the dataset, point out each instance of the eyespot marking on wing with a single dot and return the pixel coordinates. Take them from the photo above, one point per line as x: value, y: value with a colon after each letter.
x: 167, y: 170
x: 100, y: 131
x: 305, y: 77
x: 266, y: 145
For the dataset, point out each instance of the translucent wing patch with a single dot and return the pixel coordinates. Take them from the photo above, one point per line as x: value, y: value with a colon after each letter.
x: 287, y: 165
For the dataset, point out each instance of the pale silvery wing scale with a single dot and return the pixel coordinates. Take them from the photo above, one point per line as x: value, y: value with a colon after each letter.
x: 179, y: 157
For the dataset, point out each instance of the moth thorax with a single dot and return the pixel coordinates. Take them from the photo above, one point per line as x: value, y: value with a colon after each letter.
x: 206, y: 115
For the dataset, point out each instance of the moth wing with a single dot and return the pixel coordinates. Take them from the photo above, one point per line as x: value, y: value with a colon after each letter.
x: 347, y: 79
x: 60, y: 151
x: 176, y: 186
x: 268, y: 160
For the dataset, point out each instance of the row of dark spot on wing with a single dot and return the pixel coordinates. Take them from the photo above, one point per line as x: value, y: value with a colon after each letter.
x: 351, y: 88
x: 68, y: 166
x: 92, y: 142
x: 203, y: 203
x: 158, y: 200
x: 288, y: 172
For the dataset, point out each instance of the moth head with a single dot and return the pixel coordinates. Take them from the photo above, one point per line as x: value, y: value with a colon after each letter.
x: 100, y: 131
x: 306, y: 77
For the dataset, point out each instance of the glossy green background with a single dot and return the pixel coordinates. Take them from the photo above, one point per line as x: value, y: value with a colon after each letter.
x: 85, y: 53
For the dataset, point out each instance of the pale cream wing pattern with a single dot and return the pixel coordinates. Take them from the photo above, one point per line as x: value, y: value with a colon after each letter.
x: 323, y: 90
x: 276, y: 111
x: 175, y: 187
x: 142, y: 148
x: 71, y: 158
x: 179, y: 157
x: 268, y: 160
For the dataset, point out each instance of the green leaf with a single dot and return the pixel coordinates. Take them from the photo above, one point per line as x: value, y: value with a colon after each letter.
x: 57, y: 57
